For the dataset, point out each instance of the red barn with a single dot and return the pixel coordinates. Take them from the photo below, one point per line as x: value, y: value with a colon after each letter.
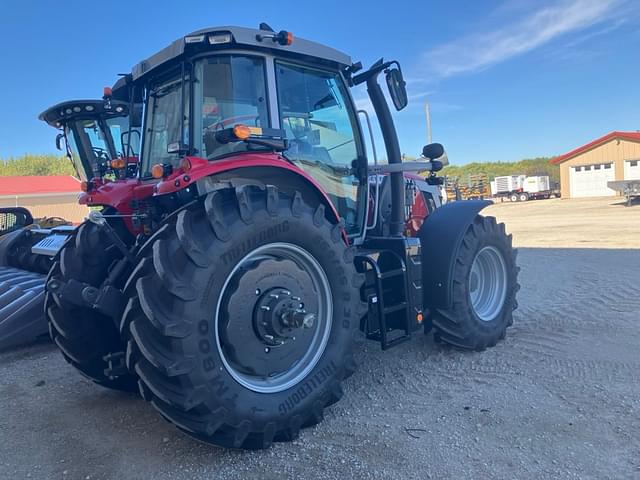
x: 45, y: 196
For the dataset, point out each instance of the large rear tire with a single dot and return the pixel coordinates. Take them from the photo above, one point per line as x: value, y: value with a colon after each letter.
x: 84, y: 336
x: 205, y: 318
x: 485, y: 284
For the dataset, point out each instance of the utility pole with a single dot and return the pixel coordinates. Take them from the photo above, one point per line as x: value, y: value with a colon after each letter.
x: 427, y: 112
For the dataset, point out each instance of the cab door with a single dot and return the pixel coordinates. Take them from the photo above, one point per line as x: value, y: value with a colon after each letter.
x: 318, y: 118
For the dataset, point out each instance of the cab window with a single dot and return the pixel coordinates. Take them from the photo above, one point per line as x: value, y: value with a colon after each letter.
x: 319, y: 122
x: 228, y: 90
x: 164, y: 125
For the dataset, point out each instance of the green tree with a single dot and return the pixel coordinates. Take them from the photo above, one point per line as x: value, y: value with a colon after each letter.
x: 36, y: 165
x: 528, y: 166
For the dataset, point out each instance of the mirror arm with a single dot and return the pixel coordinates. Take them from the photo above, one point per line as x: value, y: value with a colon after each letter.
x: 375, y: 69
x: 392, y: 146
x: 431, y: 166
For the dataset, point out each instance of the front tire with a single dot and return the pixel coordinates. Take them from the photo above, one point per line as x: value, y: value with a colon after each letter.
x: 485, y: 285
x: 206, y: 319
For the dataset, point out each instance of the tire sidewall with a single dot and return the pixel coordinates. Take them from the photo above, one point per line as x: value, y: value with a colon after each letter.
x: 220, y: 388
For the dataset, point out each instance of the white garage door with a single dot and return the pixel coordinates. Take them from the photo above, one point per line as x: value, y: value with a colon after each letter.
x: 591, y: 180
x: 632, y: 170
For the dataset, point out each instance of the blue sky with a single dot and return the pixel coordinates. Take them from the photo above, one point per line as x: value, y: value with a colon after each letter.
x: 505, y: 80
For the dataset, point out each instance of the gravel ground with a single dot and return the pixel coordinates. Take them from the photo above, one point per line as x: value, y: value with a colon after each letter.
x: 559, y: 398
x: 576, y: 223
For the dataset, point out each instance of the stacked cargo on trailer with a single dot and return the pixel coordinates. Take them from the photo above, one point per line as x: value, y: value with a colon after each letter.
x: 520, y: 188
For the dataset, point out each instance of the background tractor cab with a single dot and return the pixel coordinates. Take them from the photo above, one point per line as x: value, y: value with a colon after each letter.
x: 101, y: 137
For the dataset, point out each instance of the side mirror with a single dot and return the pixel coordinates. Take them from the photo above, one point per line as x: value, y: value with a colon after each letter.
x: 59, y: 138
x: 397, y: 88
x: 433, y: 151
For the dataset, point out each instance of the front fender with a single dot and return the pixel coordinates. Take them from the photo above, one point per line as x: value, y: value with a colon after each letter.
x: 440, y: 237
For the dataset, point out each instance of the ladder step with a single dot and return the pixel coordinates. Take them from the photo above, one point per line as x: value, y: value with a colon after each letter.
x: 393, y: 273
x: 395, y: 308
x: 396, y: 341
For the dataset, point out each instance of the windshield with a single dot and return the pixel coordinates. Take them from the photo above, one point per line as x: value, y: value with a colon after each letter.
x: 89, y: 147
x: 163, y: 125
x: 73, y: 152
x: 93, y: 142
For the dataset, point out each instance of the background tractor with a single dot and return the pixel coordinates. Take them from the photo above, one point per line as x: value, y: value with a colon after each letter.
x: 103, y: 148
x: 231, y: 278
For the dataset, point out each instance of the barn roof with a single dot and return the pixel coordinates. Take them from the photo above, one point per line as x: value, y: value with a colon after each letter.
x: 633, y: 136
x: 30, y: 185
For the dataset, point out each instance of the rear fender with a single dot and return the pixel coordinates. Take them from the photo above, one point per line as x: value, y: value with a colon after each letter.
x: 259, y: 168
x: 440, y: 236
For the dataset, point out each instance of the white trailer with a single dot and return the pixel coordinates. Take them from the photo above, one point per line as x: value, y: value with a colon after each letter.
x: 520, y: 188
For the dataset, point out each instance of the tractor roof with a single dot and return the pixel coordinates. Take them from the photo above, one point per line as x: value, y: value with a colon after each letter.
x: 245, y: 38
x: 73, y: 109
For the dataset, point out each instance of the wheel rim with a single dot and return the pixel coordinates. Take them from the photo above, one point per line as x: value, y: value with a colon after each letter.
x: 488, y: 283
x: 273, y: 318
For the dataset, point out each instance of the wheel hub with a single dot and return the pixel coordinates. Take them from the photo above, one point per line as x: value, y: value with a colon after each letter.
x: 277, y: 316
x: 488, y: 283
x: 274, y: 317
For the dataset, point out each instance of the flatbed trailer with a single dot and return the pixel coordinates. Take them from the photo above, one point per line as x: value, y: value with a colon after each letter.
x: 522, y: 196
x: 627, y: 188
x: 521, y: 188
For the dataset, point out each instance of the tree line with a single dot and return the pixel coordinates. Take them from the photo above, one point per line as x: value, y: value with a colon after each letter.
x: 529, y: 166
x: 60, y: 165
x: 28, y: 164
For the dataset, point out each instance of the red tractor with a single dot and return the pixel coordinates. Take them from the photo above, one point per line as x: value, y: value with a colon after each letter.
x: 231, y: 278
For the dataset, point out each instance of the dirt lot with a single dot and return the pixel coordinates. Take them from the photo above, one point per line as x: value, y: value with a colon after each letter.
x: 560, y: 398
x: 579, y: 223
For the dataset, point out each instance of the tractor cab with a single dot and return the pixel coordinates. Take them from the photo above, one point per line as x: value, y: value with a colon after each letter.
x: 101, y: 137
x: 234, y: 94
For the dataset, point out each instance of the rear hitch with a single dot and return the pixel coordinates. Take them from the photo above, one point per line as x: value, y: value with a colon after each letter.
x: 107, y: 300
